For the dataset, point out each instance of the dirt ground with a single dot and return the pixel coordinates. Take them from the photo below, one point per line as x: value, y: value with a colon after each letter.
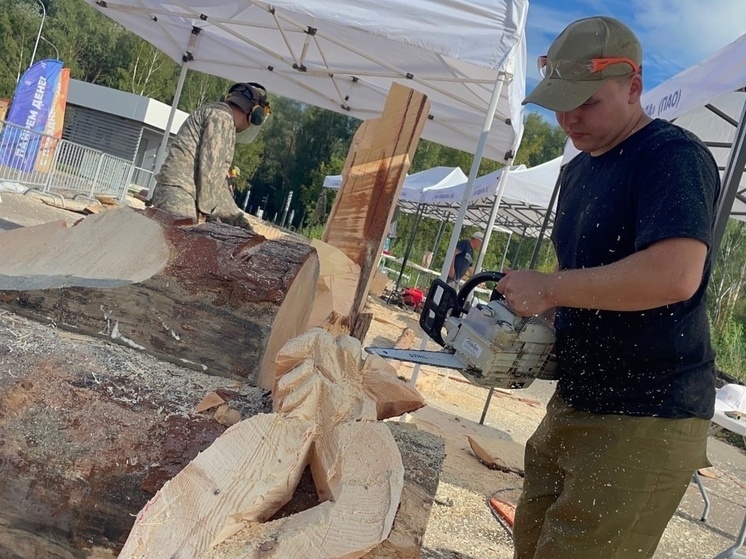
x: 461, y: 525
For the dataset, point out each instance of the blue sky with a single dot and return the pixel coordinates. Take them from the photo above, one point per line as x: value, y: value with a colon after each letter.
x: 674, y: 33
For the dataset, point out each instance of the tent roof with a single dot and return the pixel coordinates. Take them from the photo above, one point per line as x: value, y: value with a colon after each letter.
x: 524, y: 203
x: 708, y: 99
x: 346, y: 59
x: 527, y: 194
x: 416, y: 184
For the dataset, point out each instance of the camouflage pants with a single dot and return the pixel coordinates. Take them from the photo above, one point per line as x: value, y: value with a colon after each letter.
x: 175, y: 200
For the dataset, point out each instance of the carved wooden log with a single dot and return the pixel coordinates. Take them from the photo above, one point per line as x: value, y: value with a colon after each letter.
x: 90, y: 430
x: 212, y: 297
x: 325, y: 417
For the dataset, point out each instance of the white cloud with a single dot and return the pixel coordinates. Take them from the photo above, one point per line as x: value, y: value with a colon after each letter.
x: 683, y: 32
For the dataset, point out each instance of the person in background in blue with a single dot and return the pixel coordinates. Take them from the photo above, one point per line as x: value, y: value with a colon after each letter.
x: 464, y: 258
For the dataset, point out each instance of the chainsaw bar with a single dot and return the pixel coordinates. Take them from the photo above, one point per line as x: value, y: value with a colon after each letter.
x: 434, y: 358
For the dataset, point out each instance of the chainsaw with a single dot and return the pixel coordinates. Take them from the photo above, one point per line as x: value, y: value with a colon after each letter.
x: 486, y: 342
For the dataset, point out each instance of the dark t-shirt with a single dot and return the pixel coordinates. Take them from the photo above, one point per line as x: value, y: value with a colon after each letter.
x: 463, y: 259
x: 660, y: 183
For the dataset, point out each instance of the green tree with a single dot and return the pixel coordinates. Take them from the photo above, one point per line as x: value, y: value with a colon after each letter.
x: 541, y: 141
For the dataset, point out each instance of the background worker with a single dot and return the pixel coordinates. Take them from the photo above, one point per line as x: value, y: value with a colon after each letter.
x: 191, y: 181
x: 463, y: 259
x: 232, y: 179
x: 627, y: 427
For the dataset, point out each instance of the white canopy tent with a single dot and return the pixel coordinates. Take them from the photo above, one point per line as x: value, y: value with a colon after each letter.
x: 709, y: 99
x: 526, y: 196
x: 416, y: 184
x: 346, y: 59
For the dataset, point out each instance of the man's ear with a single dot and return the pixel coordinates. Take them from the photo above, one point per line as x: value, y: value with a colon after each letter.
x: 635, y: 88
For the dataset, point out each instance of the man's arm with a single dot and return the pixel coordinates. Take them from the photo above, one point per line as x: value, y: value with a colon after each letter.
x: 666, y: 272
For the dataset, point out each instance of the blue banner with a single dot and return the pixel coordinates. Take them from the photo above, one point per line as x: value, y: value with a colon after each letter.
x: 30, y: 107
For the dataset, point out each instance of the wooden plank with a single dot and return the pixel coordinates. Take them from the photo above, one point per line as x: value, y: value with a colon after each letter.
x: 375, y: 169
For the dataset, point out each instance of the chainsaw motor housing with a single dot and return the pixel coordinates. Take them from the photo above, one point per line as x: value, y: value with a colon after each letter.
x: 501, y: 349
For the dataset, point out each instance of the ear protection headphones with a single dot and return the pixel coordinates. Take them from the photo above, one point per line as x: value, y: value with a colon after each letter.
x: 257, y: 95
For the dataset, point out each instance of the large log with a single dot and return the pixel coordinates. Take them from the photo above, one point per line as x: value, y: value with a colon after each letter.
x: 374, y: 171
x: 212, y: 297
x: 90, y: 430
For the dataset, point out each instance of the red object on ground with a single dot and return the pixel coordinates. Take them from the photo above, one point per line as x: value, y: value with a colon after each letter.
x: 503, y: 511
x: 413, y: 296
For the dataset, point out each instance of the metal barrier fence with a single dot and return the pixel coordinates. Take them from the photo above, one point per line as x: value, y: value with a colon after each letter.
x: 143, y: 178
x: 46, y: 163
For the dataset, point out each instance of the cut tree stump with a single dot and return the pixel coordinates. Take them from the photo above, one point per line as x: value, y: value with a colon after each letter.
x: 211, y: 297
x: 324, y: 417
x: 376, y: 166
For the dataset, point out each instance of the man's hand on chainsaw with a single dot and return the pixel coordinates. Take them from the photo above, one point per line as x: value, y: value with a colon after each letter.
x: 528, y: 292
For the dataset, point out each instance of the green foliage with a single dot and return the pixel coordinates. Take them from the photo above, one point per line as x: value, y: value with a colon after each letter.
x: 727, y: 306
x: 730, y: 346
x: 541, y: 141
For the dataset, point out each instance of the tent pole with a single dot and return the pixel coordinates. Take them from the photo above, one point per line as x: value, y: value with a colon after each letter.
x: 731, y: 180
x: 493, y: 215
x: 405, y: 258
x: 458, y: 224
x: 438, y: 236
x: 488, y: 118
x: 185, y: 59
x: 505, y: 252
x: 545, y: 223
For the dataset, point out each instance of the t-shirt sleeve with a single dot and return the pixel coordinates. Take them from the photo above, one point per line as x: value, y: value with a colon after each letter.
x: 677, y: 194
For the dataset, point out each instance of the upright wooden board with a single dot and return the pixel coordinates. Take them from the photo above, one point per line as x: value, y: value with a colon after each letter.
x: 375, y: 169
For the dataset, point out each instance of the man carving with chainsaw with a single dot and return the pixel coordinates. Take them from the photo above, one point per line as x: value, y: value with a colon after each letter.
x: 191, y: 181
x: 627, y: 427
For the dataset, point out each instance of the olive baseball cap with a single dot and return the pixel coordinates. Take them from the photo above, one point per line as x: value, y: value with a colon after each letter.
x: 576, y: 47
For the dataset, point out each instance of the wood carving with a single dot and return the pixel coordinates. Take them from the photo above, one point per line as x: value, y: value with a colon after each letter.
x: 211, y: 297
x: 326, y: 402
x: 375, y: 169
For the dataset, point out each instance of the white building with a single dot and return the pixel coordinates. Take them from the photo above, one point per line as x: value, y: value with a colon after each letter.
x: 116, y: 122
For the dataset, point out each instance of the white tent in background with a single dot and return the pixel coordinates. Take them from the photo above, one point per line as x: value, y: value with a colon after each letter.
x: 709, y: 99
x: 525, y: 200
x: 417, y: 184
x: 346, y: 59
x: 526, y: 197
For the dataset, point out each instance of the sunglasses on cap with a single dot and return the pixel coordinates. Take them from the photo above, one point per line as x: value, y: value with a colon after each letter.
x: 588, y: 69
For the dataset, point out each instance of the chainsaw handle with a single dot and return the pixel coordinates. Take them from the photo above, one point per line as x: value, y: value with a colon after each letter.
x: 474, y: 281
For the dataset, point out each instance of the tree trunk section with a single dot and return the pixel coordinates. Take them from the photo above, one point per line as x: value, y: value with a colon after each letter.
x: 211, y: 297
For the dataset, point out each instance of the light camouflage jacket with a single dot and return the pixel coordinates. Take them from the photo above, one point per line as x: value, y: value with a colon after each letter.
x: 198, y: 161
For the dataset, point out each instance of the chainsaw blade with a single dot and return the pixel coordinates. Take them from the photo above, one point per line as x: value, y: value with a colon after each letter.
x: 434, y: 358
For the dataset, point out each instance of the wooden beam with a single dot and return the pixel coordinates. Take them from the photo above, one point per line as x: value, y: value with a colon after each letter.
x: 375, y: 169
